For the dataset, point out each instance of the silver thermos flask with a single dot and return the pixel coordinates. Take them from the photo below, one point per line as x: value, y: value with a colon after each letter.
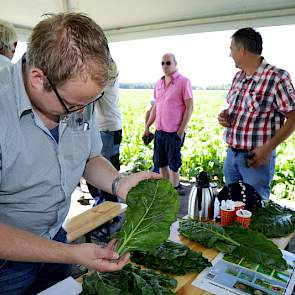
x: 201, y: 199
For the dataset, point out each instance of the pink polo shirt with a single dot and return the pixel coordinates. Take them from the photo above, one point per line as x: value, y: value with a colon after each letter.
x: 169, y: 99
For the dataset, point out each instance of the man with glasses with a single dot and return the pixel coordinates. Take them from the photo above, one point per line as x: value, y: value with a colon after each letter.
x: 48, y: 140
x: 172, y: 111
x: 260, y: 114
x: 8, y: 42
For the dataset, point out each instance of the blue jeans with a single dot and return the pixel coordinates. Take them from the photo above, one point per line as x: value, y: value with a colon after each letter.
x: 18, y: 278
x: 235, y: 169
x: 111, y: 144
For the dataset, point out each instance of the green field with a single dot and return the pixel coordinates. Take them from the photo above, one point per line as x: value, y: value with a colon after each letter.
x: 204, y: 148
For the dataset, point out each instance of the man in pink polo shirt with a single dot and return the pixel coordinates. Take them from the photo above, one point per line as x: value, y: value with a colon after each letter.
x: 172, y: 110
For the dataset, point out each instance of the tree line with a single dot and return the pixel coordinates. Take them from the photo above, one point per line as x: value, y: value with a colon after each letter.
x: 142, y: 85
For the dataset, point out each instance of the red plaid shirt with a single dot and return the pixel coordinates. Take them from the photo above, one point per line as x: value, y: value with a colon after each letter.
x: 258, y: 105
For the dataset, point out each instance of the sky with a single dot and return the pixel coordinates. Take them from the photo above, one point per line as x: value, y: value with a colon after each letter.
x: 202, y: 57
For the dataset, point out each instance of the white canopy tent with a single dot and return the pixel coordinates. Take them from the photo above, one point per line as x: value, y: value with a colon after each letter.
x: 135, y: 19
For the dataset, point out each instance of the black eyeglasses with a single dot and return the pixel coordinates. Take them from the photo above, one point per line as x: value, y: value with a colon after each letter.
x: 72, y: 109
x: 168, y: 63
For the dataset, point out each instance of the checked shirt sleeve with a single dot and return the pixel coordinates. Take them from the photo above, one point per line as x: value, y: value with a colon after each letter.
x: 285, y: 95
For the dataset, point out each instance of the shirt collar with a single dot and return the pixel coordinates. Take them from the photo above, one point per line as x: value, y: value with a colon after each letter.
x: 260, y: 70
x: 174, y: 77
x: 256, y: 76
x: 23, y: 102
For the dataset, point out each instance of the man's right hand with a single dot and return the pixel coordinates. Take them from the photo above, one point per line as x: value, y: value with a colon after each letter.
x: 97, y: 258
x: 223, y: 118
x: 146, y: 131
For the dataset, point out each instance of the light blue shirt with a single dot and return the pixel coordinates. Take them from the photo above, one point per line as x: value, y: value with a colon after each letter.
x: 4, y: 61
x: 37, y: 174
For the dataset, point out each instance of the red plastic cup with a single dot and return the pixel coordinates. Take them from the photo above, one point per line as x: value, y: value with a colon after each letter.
x: 238, y: 206
x: 244, y: 217
x: 227, y: 216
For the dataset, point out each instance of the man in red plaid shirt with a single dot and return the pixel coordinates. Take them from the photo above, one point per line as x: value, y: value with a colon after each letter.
x: 260, y: 115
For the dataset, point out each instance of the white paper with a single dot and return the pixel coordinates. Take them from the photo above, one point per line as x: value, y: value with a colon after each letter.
x: 66, y: 287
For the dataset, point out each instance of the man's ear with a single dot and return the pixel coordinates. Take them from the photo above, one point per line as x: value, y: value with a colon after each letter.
x: 36, y: 79
x: 243, y: 50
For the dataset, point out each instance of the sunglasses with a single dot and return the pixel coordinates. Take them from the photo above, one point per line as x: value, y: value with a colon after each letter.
x: 71, y: 109
x: 168, y: 63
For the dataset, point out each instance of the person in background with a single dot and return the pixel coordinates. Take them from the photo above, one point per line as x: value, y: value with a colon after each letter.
x: 109, y: 123
x: 8, y: 42
x: 171, y: 111
x: 260, y: 114
x: 47, y: 102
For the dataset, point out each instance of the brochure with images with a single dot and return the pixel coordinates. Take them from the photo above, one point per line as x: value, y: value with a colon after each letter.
x: 230, y: 275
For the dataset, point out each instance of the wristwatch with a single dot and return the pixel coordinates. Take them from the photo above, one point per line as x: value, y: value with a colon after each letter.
x: 115, y: 184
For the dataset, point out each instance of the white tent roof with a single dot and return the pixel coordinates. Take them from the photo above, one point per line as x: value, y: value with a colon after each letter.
x: 133, y: 19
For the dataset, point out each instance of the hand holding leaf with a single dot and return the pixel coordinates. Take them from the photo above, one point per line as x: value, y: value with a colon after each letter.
x: 152, y: 208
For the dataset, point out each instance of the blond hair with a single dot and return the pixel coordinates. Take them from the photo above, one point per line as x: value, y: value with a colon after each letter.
x: 70, y: 45
x: 8, y: 36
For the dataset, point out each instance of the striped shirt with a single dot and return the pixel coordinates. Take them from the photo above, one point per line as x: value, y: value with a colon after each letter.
x: 258, y: 105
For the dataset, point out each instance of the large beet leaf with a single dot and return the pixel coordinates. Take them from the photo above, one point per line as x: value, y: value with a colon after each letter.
x: 172, y: 258
x: 273, y: 220
x: 152, y: 208
x: 131, y: 280
x: 255, y: 247
x: 207, y: 234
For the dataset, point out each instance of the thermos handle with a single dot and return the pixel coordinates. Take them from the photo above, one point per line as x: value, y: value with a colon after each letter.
x: 192, y: 206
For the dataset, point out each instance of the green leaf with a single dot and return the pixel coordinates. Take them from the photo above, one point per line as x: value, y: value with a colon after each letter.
x: 172, y: 258
x: 131, y: 280
x: 207, y: 234
x: 94, y: 282
x: 238, y: 241
x: 255, y: 247
x: 273, y: 220
x: 152, y: 208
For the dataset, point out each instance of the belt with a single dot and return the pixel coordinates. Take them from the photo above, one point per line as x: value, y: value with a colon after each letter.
x: 237, y: 151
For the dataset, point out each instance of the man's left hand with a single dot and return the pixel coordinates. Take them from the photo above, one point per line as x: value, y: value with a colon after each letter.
x: 129, y: 181
x: 261, y: 157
